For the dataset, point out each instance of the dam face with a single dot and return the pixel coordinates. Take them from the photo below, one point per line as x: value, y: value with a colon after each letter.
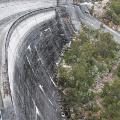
x: 33, y: 47
x: 35, y: 93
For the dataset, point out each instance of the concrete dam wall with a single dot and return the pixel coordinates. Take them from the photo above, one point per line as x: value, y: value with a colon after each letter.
x: 31, y: 70
x: 34, y: 73
x: 33, y: 45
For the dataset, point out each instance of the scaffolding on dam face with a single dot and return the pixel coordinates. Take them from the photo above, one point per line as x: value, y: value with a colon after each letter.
x: 64, y: 21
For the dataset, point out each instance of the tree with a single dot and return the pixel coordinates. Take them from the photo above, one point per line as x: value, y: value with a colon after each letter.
x: 111, y: 101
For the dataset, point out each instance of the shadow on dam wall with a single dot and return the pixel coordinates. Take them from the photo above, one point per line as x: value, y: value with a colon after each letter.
x: 35, y: 93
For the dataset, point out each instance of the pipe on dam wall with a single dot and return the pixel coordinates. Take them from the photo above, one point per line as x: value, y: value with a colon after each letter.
x: 31, y: 68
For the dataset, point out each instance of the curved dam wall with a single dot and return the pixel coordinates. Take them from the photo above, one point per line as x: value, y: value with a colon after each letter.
x: 31, y: 71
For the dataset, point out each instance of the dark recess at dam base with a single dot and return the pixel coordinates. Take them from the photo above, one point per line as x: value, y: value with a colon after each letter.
x: 36, y: 96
